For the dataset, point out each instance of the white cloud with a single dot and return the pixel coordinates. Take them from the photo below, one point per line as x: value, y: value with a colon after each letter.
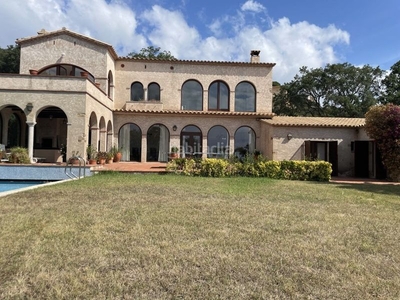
x: 253, y: 6
x: 112, y: 22
x: 290, y: 46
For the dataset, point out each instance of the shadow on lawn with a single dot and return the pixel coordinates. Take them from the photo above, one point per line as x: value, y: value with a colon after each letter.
x: 386, y: 189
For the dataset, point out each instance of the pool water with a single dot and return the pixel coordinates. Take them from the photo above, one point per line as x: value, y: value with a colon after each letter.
x: 8, y: 185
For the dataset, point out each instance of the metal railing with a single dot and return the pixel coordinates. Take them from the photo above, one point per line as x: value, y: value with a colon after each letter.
x: 70, y: 163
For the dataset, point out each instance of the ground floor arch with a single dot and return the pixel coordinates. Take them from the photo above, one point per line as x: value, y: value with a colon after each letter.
x: 245, y: 141
x: 218, y: 142
x: 191, y: 141
x: 130, y: 142
x: 158, y: 143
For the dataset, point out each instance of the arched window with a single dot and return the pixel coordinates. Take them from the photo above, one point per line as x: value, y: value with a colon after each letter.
x: 192, y: 95
x: 245, y: 141
x: 218, y: 142
x: 153, y: 91
x: 218, y: 96
x: 137, y: 92
x: 245, y: 97
x: 110, y: 84
x: 66, y: 70
x: 157, y: 143
x: 130, y: 142
x: 191, y: 141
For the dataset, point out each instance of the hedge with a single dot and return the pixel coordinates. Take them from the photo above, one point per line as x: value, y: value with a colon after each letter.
x: 286, y: 169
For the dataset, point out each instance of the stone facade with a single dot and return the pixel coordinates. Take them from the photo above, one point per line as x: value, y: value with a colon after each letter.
x: 85, y: 94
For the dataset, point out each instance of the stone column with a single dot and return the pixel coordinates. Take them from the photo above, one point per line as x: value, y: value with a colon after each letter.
x: 144, y: 148
x: 31, y: 138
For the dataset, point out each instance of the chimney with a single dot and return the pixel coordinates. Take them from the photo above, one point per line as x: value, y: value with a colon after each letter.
x: 42, y: 32
x: 255, y: 56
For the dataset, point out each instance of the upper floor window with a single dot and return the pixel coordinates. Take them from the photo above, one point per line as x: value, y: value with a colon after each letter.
x: 192, y: 95
x: 110, y: 85
x: 218, y: 96
x: 153, y: 92
x: 137, y: 92
x: 245, y: 97
x: 66, y: 70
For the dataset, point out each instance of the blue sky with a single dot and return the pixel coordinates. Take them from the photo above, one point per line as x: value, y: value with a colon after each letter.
x: 290, y: 33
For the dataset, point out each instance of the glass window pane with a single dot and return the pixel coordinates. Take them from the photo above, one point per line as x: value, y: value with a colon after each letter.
x: 245, y: 97
x: 137, y: 92
x: 157, y: 143
x: 218, y: 96
x: 223, y: 96
x: 154, y: 92
x: 130, y: 141
x: 213, y: 96
x: 245, y: 141
x: 192, y: 96
x: 218, y: 142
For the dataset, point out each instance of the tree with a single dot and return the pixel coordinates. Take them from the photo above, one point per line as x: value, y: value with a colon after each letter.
x: 382, y: 123
x: 9, y: 59
x: 391, y: 85
x: 338, y: 90
x: 152, y: 52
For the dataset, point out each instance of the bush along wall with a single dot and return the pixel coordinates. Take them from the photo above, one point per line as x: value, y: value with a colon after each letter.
x: 287, y: 169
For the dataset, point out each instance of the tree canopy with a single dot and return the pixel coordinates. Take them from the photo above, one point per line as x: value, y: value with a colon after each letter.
x: 338, y: 90
x: 9, y: 59
x: 382, y: 123
x: 152, y: 52
x: 391, y: 85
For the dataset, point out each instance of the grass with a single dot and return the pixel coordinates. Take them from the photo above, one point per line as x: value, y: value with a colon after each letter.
x: 173, y: 237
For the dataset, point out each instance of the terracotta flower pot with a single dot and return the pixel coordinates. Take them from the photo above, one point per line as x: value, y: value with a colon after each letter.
x: 117, y: 157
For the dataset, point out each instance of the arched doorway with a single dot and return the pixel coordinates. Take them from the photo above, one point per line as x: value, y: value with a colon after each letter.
x: 130, y: 142
x: 50, y: 134
x: 218, y: 142
x: 191, y: 141
x: 157, y: 143
x: 245, y: 141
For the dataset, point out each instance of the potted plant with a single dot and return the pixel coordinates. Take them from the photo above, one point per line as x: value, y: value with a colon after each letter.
x: 116, y: 153
x: 109, y: 157
x: 74, y: 158
x: 91, y: 154
x: 174, y: 152
x: 19, y: 155
x: 101, y: 157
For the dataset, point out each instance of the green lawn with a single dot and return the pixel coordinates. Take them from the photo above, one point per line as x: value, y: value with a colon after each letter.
x: 174, y: 237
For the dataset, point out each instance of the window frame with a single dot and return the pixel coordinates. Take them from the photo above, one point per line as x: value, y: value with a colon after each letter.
x: 219, y: 82
x: 132, y: 98
x: 254, y: 96
x: 201, y: 99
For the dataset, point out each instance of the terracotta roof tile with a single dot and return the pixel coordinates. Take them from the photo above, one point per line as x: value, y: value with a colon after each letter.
x: 195, y: 112
x: 316, y: 121
x: 200, y: 62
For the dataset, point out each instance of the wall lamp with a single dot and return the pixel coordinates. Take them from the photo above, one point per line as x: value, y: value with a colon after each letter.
x: 29, y: 106
x: 289, y: 136
x: 174, y: 128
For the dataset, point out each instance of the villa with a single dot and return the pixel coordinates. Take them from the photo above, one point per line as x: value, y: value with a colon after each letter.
x: 73, y: 91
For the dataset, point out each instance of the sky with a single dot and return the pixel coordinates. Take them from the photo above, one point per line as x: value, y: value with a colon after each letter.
x: 290, y: 33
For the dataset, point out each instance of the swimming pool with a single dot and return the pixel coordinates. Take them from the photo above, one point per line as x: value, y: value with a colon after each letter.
x: 10, y: 185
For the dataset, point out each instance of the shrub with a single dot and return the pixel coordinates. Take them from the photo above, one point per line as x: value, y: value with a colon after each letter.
x: 290, y: 170
x: 19, y: 155
x: 382, y: 123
